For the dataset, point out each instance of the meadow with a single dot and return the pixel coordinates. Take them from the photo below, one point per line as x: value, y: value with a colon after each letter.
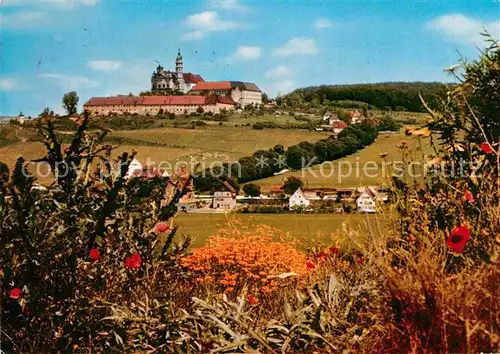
x: 337, y: 173
x: 307, y: 229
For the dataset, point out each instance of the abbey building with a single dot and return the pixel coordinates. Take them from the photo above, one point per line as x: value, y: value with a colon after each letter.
x: 166, y: 81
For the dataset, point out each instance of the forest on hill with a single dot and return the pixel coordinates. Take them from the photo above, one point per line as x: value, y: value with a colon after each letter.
x: 396, y: 96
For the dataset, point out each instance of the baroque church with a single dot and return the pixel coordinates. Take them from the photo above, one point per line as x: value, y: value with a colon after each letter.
x: 166, y: 81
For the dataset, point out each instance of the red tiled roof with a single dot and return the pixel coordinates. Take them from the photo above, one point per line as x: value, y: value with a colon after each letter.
x: 338, y: 124
x: 228, y: 187
x: 212, y: 85
x: 158, y: 100
x: 192, y: 78
x: 146, y: 100
x: 225, y: 100
x: 354, y: 114
x: 275, y: 189
x: 173, y: 100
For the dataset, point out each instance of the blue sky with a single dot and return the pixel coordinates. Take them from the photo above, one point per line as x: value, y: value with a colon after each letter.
x: 101, y: 48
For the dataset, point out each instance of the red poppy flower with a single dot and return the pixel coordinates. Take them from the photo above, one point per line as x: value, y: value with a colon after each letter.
x: 94, y: 254
x: 469, y: 196
x: 322, y: 256
x: 15, y: 293
x: 134, y: 261
x: 252, y: 300
x: 161, y: 227
x: 310, y: 264
x: 487, y: 148
x: 335, y: 250
x: 458, y: 238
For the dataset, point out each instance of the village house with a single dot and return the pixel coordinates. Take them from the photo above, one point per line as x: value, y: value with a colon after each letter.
x: 331, y: 122
x: 242, y: 93
x: 298, y: 200
x: 152, y: 105
x: 366, y: 201
x: 225, y: 200
x: 187, y: 203
x: 355, y: 116
x: 136, y: 169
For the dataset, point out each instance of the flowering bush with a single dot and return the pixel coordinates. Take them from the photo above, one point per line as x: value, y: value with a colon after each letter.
x: 233, y: 259
x: 68, y: 255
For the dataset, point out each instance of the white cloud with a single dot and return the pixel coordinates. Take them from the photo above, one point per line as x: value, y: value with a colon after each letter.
x: 297, y: 46
x: 322, y: 23
x: 104, y: 65
x: 247, y: 53
x: 206, y: 22
x: 21, y: 19
x: 229, y: 5
x: 278, y: 72
x: 193, y: 36
x: 282, y: 87
x: 461, y: 28
x: 69, y: 82
x: 210, y: 21
x: 9, y: 84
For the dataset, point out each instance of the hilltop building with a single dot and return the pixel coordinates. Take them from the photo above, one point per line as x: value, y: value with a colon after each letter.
x: 242, y: 93
x: 152, y: 105
x: 165, y: 81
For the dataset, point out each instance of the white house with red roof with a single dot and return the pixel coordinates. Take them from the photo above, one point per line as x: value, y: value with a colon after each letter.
x: 226, y: 199
x: 332, y: 123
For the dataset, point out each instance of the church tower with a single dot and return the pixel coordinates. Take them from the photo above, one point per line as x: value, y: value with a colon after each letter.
x: 179, y: 73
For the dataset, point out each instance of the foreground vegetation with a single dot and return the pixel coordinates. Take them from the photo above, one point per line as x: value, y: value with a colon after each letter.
x: 90, y: 267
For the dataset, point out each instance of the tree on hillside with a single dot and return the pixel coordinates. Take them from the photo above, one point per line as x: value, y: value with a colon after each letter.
x: 291, y: 184
x: 265, y: 98
x: 251, y: 189
x: 298, y: 157
x: 70, y: 102
x: 388, y: 124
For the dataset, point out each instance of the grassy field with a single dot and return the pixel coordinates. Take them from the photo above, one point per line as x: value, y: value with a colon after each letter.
x: 226, y: 143
x: 337, y: 173
x: 308, y: 228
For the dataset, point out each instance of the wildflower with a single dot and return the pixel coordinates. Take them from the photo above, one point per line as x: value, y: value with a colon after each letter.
x: 458, y: 238
x: 469, y: 196
x: 322, y: 256
x: 15, y: 293
x: 161, y: 227
x: 252, y: 300
x: 335, y: 250
x: 487, y: 148
x: 134, y: 261
x: 310, y: 264
x: 94, y: 254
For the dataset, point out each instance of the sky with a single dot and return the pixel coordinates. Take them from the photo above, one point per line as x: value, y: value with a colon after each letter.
x: 110, y: 47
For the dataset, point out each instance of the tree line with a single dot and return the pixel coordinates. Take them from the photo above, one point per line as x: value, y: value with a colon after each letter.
x: 396, y: 96
x: 265, y: 163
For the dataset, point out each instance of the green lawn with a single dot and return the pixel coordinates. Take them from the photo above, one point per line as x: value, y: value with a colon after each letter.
x: 307, y: 228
